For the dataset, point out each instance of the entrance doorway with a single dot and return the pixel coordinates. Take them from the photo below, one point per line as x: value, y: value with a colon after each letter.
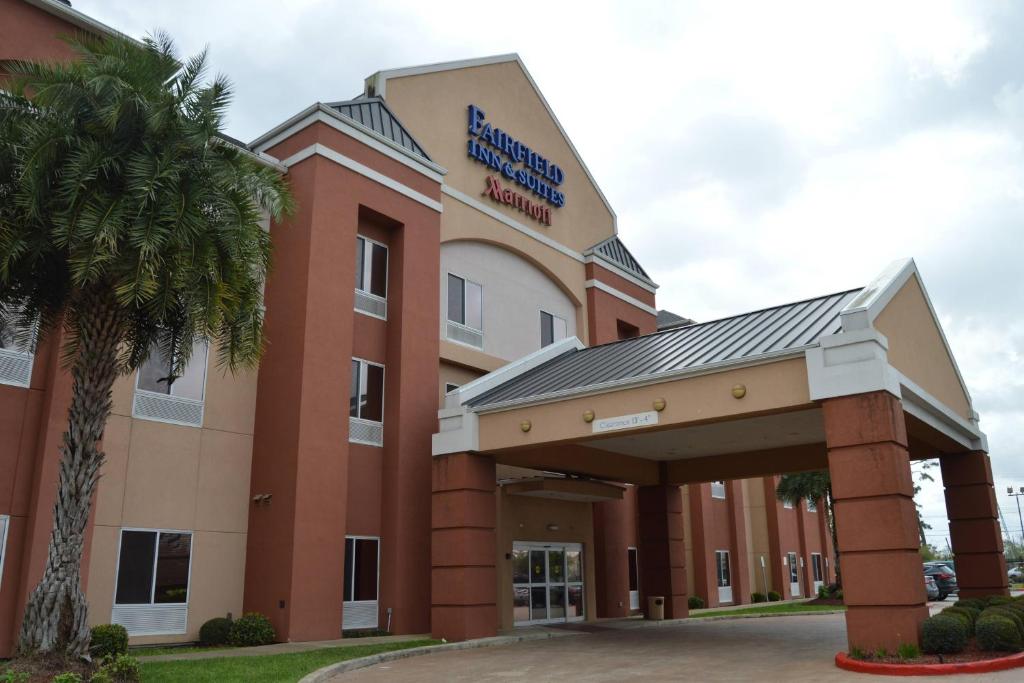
x: 634, y: 578
x: 818, y: 570
x: 362, y: 579
x: 794, y: 575
x: 547, y: 583
x: 724, y: 577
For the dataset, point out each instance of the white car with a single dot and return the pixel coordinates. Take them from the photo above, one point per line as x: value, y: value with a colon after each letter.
x: 1016, y: 574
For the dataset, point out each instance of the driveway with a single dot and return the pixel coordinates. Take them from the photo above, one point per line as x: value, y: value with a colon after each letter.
x: 791, y: 648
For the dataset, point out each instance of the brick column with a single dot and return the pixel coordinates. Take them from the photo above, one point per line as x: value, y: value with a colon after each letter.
x: 974, y: 524
x: 612, y: 522
x: 705, y: 575
x: 740, y: 569
x: 662, y: 553
x: 877, y: 524
x: 463, y: 575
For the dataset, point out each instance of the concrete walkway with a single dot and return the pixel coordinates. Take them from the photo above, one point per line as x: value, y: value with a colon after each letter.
x: 281, y: 648
x: 792, y: 648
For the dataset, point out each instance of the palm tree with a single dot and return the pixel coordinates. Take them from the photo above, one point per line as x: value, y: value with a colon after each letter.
x: 815, y: 486
x: 127, y: 227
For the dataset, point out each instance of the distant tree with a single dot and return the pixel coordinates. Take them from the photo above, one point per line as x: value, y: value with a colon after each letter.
x: 127, y: 227
x: 799, y: 486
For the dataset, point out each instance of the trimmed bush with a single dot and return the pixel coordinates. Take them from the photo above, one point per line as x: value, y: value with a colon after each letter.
x: 119, y: 669
x: 695, y: 602
x: 998, y: 600
x: 108, y: 640
x: 773, y: 596
x: 962, y: 614
x: 758, y: 597
x: 252, y: 628
x: 974, y: 603
x: 942, y: 635
x: 1011, y: 614
x: 996, y: 633
x: 822, y: 593
x: 215, y: 632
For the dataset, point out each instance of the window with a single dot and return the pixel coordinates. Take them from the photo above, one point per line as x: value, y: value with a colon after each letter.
x: 794, y: 571
x: 15, y: 358
x: 465, y: 311
x: 634, y: 578
x: 816, y: 567
x: 4, y: 522
x: 161, y: 395
x: 371, y: 277
x: 722, y: 562
x: 153, y: 567
x: 449, y: 387
x: 366, y: 403
x: 362, y: 559
x: 812, y: 505
x: 718, y: 489
x: 552, y: 329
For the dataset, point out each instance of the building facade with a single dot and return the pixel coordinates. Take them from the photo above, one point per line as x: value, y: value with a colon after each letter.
x: 448, y: 235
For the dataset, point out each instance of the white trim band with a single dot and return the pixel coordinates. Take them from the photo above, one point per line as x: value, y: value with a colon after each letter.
x: 616, y: 269
x: 608, y: 289
x: 353, y: 165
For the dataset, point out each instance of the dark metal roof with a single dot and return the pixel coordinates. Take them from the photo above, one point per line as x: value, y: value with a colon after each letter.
x: 614, y: 250
x: 667, y: 319
x: 375, y: 115
x: 746, y: 337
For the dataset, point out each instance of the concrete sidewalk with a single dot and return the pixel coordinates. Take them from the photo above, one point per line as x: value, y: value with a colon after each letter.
x: 280, y: 648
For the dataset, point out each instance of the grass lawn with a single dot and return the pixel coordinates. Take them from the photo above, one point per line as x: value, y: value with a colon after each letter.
x: 176, y: 650
x: 263, y: 668
x: 783, y: 608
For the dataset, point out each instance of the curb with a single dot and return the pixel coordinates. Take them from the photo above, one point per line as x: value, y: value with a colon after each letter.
x: 331, y: 670
x: 722, y: 617
x: 844, y: 661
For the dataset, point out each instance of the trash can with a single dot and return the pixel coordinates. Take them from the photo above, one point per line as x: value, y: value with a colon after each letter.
x: 656, y: 608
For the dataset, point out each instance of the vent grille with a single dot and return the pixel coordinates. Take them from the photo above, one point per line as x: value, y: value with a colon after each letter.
x: 15, y: 367
x: 361, y: 614
x: 365, y: 432
x: 465, y: 335
x: 372, y: 304
x: 151, y: 620
x: 164, y: 408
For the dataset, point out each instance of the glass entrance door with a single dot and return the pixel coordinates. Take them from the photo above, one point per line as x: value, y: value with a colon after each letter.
x: 547, y: 583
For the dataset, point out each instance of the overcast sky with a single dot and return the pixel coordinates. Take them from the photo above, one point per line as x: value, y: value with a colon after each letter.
x: 755, y: 153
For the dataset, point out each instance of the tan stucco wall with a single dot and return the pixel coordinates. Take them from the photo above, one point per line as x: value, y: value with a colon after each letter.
x: 916, y: 348
x: 433, y: 107
x: 453, y: 374
x: 524, y: 518
x: 164, y: 476
x: 773, y: 386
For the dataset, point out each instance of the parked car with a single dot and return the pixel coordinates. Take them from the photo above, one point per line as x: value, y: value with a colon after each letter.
x: 1016, y: 574
x: 931, y: 587
x: 944, y: 576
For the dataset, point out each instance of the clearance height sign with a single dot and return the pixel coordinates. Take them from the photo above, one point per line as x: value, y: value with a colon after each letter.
x: 518, y: 164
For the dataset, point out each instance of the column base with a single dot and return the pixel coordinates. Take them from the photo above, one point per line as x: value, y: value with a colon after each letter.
x: 870, y: 628
x: 463, y: 622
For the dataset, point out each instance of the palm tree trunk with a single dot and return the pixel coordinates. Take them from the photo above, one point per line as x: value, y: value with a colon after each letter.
x: 55, y: 619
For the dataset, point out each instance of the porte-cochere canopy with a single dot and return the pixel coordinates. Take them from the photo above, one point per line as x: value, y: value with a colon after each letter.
x: 858, y: 382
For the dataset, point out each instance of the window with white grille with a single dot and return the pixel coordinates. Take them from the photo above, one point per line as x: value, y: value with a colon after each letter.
x: 718, y: 489
x: 362, y: 578
x: 163, y: 396
x: 15, y: 356
x: 366, y: 403
x: 465, y: 315
x: 371, y: 278
x: 152, y: 585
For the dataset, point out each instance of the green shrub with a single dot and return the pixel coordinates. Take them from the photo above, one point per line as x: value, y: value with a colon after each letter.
x: 215, y: 632
x: 908, y: 651
x: 943, y: 635
x: 773, y: 596
x: 998, y: 600
x: 119, y: 669
x: 1012, y: 615
x: 101, y: 677
x: 822, y: 593
x: 881, y: 653
x: 996, y: 633
x: 68, y: 677
x: 106, y: 640
x: 973, y: 603
x: 695, y: 602
x: 252, y: 628
x: 12, y: 676
x: 838, y: 595
x: 964, y: 616
x: 857, y: 653
x: 758, y: 597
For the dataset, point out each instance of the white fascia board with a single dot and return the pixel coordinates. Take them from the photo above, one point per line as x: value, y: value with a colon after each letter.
x: 324, y: 114
x: 597, y: 284
x: 379, y: 82
x: 646, y: 380
x: 939, y: 416
x: 866, y: 306
x: 605, y: 262
x: 512, y: 223
x: 366, y: 171
x: 505, y: 373
x: 850, y: 363
x: 82, y: 21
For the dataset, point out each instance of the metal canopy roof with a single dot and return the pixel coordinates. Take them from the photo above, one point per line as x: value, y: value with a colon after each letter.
x: 770, y: 332
x: 614, y: 250
x: 375, y: 115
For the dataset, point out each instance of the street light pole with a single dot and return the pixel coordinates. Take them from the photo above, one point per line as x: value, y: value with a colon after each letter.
x: 1009, y: 491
